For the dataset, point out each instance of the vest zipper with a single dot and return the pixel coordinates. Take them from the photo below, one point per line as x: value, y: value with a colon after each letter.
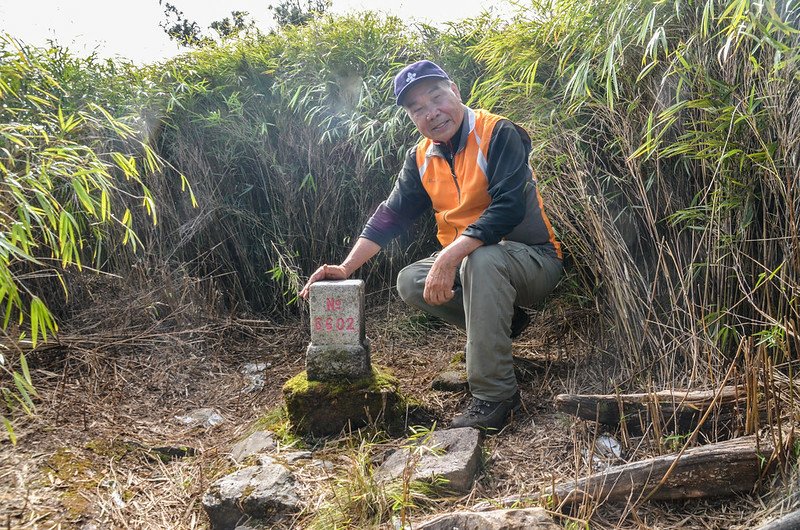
x: 455, y: 180
x: 458, y: 188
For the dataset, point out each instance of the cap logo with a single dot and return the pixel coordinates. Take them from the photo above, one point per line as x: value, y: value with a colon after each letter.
x: 410, y: 77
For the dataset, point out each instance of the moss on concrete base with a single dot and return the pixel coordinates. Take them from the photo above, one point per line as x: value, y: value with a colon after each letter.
x: 322, y: 408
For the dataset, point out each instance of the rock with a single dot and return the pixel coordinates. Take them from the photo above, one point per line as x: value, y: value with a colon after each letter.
x: 256, y: 491
x: 166, y: 453
x: 607, y: 447
x: 254, y: 368
x: 451, y: 381
x: 325, y: 465
x: 205, y: 417
x: 455, y: 379
x: 258, y: 442
x: 516, y: 519
x: 322, y: 408
x: 453, y: 455
x: 254, y: 372
x: 606, y: 452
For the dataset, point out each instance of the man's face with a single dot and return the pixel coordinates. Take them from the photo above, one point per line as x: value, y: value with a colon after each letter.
x: 434, y: 105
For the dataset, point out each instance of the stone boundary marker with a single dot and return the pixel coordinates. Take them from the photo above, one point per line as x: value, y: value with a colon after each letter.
x: 339, y: 349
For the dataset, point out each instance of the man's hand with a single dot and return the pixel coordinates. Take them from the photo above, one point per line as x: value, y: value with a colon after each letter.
x: 440, y: 281
x: 442, y: 276
x: 326, y: 272
x: 361, y: 252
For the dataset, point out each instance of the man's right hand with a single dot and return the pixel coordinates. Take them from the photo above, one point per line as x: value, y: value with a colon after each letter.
x: 361, y: 252
x: 326, y: 272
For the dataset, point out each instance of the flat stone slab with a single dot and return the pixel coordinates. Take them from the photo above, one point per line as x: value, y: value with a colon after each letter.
x: 454, y: 379
x: 452, y: 455
x: 256, y: 491
x: 258, y: 442
x: 322, y: 408
x: 451, y: 381
x: 516, y: 519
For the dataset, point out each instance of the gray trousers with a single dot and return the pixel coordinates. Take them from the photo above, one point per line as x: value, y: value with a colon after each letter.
x: 489, y: 283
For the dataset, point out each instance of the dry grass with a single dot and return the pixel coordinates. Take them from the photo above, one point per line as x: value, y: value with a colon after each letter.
x: 110, y: 390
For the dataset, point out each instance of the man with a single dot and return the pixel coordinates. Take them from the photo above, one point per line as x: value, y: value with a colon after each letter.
x: 499, y: 251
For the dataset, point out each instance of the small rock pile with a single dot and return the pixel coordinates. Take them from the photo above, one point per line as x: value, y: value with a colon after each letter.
x: 268, y: 490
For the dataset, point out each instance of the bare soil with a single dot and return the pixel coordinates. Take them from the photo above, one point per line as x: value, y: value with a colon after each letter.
x: 109, y: 393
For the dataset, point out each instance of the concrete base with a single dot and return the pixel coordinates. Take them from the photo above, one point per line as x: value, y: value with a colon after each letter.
x: 338, y: 363
x: 323, y: 408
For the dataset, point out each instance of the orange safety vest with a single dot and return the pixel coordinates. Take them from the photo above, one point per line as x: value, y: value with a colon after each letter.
x: 460, y: 195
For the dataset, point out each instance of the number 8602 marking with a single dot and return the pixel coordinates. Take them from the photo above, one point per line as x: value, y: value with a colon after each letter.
x: 339, y: 324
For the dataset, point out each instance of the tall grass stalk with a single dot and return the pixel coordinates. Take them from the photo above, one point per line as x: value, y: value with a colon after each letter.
x: 667, y: 140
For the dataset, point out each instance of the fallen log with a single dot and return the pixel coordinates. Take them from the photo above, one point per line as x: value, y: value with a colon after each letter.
x: 790, y: 521
x: 714, y: 470
x: 676, y: 411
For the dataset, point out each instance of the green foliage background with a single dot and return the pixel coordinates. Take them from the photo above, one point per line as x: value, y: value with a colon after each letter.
x: 665, y: 143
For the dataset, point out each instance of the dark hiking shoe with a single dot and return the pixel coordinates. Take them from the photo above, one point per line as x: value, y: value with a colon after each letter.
x: 519, y: 322
x: 489, y: 415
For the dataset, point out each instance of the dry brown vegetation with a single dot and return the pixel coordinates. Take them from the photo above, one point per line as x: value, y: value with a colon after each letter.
x: 110, y: 390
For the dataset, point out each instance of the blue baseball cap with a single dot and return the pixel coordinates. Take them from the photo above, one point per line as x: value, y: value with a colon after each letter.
x: 413, y: 73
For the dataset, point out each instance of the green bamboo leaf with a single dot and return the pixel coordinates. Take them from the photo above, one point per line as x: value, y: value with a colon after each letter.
x: 83, y: 196
x: 707, y: 18
x: 35, y: 322
x: 186, y: 186
x: 126, y: 222
x: 11, y: 302
x: 9, y: 429
x: 150, y: 205
x: 778, y: 21
x: 23, y: 396
x: 23, y: 363
x: 42, y: 321
x: 60, y: 115
x: 40, y: 101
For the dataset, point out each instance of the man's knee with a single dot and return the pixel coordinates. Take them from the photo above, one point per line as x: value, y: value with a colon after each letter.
x: 483, y: 260
x: 409, y: 286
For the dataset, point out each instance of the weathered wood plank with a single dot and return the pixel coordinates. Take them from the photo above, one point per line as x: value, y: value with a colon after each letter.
x: 714, y: 470
x: 790, y: 521
x: 675, y: 410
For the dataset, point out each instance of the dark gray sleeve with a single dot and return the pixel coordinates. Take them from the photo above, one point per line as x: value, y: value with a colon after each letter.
x: 508, y: 173
x: 405, y: 203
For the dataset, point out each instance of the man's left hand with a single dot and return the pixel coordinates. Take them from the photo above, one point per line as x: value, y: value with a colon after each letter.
x: 440, y: 281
